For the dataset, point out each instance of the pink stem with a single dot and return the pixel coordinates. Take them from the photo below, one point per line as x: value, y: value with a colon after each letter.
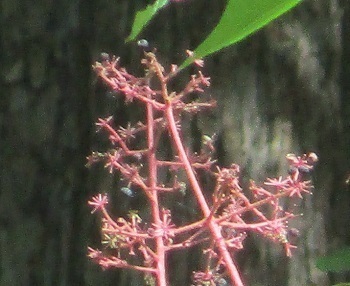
x: 152, y: 162
x: 214, y: 228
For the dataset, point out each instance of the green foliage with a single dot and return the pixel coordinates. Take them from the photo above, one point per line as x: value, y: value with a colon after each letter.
x: 336, y: 262
x: 143, y: 17
x: 240, y: 19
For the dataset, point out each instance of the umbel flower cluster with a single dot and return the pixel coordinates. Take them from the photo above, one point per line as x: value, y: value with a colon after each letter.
x: 227, y: 215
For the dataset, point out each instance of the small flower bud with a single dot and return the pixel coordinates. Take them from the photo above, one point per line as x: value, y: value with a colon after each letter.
x: 128, y: 192
x: 293, y: 233
x: 143, y: 43
x: 312, y: 158
x: 104, y: 57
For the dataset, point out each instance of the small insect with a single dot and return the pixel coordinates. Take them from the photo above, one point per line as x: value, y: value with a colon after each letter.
x: 127, y: 191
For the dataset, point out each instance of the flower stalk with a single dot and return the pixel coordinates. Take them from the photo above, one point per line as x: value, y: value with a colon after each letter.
x: 223, y: 226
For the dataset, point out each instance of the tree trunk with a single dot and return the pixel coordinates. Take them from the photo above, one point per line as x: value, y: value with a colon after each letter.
x: 283, y: 90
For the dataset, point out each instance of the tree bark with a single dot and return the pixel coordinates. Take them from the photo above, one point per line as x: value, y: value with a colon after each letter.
x: 283, y: 90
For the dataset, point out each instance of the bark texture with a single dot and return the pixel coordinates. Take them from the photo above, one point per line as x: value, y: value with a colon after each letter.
x: 284, y: 90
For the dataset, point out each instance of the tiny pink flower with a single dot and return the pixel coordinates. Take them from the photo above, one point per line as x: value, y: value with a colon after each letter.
x: 98, y: 202
x: 103, y: 123
x: 112, y: 160
x: 94, y: 254
x: 299, y: 187
x: 278, y: 183
x: 302, y: 163
x: 198, y: 62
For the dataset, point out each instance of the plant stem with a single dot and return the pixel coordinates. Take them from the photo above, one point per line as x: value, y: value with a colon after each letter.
x: 213, y: 226
x: 152, y: 166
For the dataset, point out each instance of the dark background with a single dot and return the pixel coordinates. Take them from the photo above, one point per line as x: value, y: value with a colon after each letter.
x: 286, y: 89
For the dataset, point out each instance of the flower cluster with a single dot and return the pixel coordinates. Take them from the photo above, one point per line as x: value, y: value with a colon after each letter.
x: 130, y: 242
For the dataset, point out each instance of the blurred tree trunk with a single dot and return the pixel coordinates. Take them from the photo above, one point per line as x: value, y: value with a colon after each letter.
x: 285, y: 89
x: 284, y: 96
x: 45, y: 130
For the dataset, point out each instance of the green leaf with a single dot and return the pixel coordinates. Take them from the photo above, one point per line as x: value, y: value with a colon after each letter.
x: 335, y: 262
x: 240, y: 19
x: 143, y: 17
x: 342, y: 284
